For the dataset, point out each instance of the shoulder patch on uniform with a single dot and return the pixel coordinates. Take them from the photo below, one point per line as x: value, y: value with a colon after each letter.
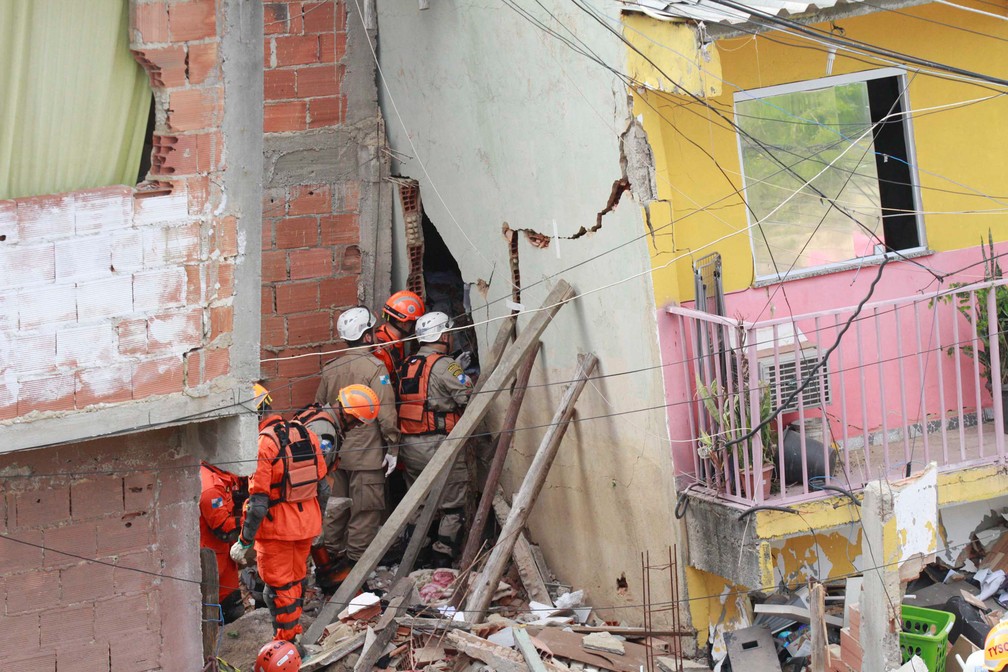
x: 384, y: 379
x: 464, y: 379
x: 455, y: 370
x: 216, y: 502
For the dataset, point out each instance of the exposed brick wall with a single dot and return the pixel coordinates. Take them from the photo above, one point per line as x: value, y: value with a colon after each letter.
x: 60, y: 612
x: 311, y: 232
x: 118, y: 294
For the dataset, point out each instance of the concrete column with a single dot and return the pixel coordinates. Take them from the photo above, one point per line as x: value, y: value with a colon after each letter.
x: 882, y: 594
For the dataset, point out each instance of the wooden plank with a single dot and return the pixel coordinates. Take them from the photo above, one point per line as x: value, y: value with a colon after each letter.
x: 528, y: 570
x: 328, y: 657
x: 532, y: 484
x: 442, y: 459
x: 562, y: 644
x: 385, y: 628
x: 628, y: 632
x: 210, y: 589
x: 475, y: 535
x: 424, y: 624
x: 528, y: 651
x: 817, y: 627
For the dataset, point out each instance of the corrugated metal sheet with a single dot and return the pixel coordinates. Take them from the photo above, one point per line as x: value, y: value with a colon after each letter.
x: 709, y: 12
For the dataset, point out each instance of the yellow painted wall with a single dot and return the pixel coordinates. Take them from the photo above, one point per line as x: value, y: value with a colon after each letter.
x: 963, y: 144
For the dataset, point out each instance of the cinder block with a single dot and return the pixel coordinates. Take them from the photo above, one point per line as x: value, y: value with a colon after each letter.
x: 91, y: 656
x: 42, y: 507
x: 192, y: 109
x: 26, y: 265
x: 320, y: 17
x: 329, y: 111
x: 139, y: 651
x: 308, y: 199
x: 319, y: 81
x: 174, y: 155
x: 47, y: 305
x: 166, y: 246
x: 313, y: 263
x: 96, y: 497
x: 86, y: 346
x: 102, y: 299
x: 23, y: 630
x: 296, y: 50
x: 216, y: 363
x: 20, y: 557
x: 45, y: 217
x: 202, y: 62
x: 338, y: 292
x: 221, y: 321
x: 279, y: 84
x: 104, y: 209
x: 149, y: 21
x: 36, y: 591
x: 274, y: 332
x: 122, y: 618
x: 33, y: 661
x: 164, y: 65
x: 162, y: 375
x: 78, y: 538
x: 161, y: 210
x: 83, y: 258
x: 190, y: 21
x: 133, y: 572
x: 175, y: 332
x: 132, y: 336
x: 138, y: 491
x: 127, y: 250
x: 85, y: 582
x: 274, y: 265
x: 332, y: 47
x: 295, y: 232
x: 297, y: 297
x: 340, y: 229
x: 46, y: 393
x: 286, y: 116
x: 35, y: 353
x: 124, y: 534
x: 154, y: 291
x: 68, y: 625
x: 309, y: 328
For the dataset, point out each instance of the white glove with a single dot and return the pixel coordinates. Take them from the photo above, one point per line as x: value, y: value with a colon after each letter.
x: 464, y: 359
x: 389, y: 462
x: 241, y: 554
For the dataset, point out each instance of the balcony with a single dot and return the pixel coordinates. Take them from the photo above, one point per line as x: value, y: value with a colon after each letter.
x: 865, y: 394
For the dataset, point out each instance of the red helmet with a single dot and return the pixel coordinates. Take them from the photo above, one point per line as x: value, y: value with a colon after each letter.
x: 278, y: 656
x: 404, y: 306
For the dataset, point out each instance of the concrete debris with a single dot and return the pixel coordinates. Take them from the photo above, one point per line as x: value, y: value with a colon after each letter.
x: 603, y: 641
x: 915, y: 664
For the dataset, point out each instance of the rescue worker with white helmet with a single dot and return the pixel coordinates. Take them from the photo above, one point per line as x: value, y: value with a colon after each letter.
x: 433, y: 392
x: 369, y: 452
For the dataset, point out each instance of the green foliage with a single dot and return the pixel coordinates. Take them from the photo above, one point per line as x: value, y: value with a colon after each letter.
x: 729, y: 420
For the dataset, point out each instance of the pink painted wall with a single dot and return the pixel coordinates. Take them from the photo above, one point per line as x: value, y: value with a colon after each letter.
x: 874, y: 360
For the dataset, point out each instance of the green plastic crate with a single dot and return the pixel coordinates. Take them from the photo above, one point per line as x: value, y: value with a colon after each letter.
x: 925, y: 634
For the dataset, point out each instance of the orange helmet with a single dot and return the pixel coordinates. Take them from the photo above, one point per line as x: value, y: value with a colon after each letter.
x: 404, y: 306
x: 360, y: 401
x: 263, y: 400
x: 278, y: 656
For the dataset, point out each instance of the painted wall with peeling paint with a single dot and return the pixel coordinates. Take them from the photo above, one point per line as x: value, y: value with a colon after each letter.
x: 501, y: 122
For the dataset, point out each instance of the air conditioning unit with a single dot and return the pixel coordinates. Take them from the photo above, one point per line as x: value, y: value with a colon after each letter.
x: 785, y: 372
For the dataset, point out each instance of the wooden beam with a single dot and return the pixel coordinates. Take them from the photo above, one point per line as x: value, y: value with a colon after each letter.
x: 425, y: 624
x: 528, y: 650
x: 341, y: 651
x: 817, y: 616
x: 442, y: 459
x: 528, y: 570
x: 504, y: 440
x: 210, y: 589
x: 628, y: 632
x: 486, y: 584
x: 385, y: 628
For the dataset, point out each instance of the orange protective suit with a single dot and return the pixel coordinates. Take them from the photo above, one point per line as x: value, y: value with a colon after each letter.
x: 219, y: 523
x: 284, y: 535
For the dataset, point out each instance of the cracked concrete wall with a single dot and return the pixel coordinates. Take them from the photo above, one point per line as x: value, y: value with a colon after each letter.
x: 503, y: 123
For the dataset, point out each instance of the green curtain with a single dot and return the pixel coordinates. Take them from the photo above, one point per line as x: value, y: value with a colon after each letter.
x: 73, y: 102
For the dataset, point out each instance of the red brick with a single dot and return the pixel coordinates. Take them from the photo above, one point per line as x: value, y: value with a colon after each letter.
x: 166, y: 66
x: 225, y: 278
x: 274, y: 266
x: 138, y: 491
x: 201, y: 62
x: 306, y: 264
x: 274, y: 203
x: 19, y: 557
x: 31, y: 662
x: 93, y: 656
x: 280, y: 117
x: 326, y: 111
x: 22, y: 630
x: 308, y: 328
x: 198, y: 190
x: 332, y: 47
x: 320, y: 17
x: 276, y: 18
x: 194, y: 368
x: 348, y: 196
x: 108, y: 384
x: 268, y: 305
x: 208, y: 152
x: 175, y: 331
x: 338, y: 292
x: 174, y: 155
x: 221, y: 321
x: 340, y: 229
x: 323, y: 80
x: 279, y: 84
x: 309, y: 199
x: 54, y: 393
x: 124, y: 534
x: 128, y: 577
x: 43, y: 507
x: 139, y: 651
x: 96, y: 497
x: 226, y: 236
x: 194, y: 281
x: 217, y: 363
x: 303, y: 392
x: 122, y: 618
x: 189, y: 21
x: 301, y: 366
x: 45, y: 216
x: 34, y: 591
x: 296, y: 50
x: 150, y: 21
x: 294, y: 232
x: 157, y: 376
x: 192, y: 109
x: 85, y: 582
x: 300, y: 297
x: 351, y: 262
x: 273, y: 332
x: 132, y: 336
x: 81, y: 539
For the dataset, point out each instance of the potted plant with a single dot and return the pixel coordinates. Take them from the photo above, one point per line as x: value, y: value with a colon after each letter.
x: 980, y: 318
x: 728, y: 424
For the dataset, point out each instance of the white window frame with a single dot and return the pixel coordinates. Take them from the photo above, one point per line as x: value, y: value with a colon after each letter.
x: 825, y: 83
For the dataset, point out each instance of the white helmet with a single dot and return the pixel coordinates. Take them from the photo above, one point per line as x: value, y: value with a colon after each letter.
x: 352, y: 324
x: 430, y: 326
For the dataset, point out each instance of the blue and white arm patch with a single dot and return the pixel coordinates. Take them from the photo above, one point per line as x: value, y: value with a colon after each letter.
x: 216, y: 502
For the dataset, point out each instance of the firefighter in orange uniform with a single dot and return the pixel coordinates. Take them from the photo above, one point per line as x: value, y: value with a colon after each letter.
x: 433, y: 392
x: 221, y: 498
x: 401, y: 312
